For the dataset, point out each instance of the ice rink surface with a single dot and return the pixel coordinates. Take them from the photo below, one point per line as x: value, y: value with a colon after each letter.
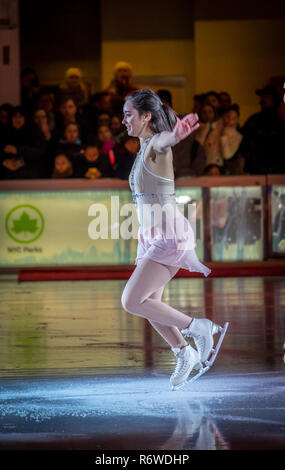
x: 77, y: 372
x: 220, y: 411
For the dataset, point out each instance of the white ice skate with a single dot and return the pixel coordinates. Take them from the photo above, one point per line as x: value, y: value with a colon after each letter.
x: 187, y: 360
x: 202, y: 331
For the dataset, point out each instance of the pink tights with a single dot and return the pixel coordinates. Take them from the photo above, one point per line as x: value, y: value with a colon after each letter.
x: 142, y: 296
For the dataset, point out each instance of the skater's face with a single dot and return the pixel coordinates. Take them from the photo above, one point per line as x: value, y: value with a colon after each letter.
x: 135, y: 124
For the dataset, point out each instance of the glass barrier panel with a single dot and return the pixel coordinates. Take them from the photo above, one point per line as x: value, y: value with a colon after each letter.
x: 236, y: 223
x: 66, y: 228
x: 278, y: 218
x: 189, y: 200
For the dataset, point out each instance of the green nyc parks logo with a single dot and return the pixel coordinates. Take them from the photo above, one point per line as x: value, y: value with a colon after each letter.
x: 24, y: 223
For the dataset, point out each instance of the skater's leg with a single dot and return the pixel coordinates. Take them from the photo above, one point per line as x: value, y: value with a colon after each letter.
x: 147, y: 278
x: 186, y: 356
x: 170, y: 334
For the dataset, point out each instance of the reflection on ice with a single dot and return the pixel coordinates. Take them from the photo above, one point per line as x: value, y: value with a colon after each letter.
x: 193, y: 425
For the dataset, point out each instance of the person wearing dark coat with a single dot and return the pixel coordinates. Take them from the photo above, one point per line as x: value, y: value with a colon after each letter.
x: 125, y: 154
x: 263, y: 136
x: 92, y: 164
x: 24, y: 143
x: 68, y: 113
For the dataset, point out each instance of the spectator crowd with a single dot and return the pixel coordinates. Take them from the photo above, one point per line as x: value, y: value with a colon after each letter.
x: 67, y: 132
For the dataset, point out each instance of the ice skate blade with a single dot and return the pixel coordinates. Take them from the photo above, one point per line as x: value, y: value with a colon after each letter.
x: 216, y: 349
x: 202, y: 371
x: 177, y: 387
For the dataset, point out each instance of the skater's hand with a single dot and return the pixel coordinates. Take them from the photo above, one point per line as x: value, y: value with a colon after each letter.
x: 182, y: 129
x: 185, y: 126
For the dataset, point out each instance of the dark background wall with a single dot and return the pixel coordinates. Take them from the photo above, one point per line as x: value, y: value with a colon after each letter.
x: 61, y: 33
x: 150, y: 19
x: 239, y: 10
x: 66, y: 31
x: 160, y: 19
x: 73, y: 29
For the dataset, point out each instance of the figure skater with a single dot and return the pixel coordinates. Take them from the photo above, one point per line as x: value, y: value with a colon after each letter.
x: 163, y: 247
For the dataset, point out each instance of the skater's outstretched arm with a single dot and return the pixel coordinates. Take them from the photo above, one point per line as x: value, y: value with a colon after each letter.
x: 182, y: 129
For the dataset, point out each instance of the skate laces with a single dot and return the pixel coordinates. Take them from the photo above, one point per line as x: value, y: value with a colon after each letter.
x: 199, y: 341
x: 182, y: 363
x: 199, y: 338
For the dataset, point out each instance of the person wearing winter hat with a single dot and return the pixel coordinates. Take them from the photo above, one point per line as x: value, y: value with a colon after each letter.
x: 75, y: 87
x: 120, y: 86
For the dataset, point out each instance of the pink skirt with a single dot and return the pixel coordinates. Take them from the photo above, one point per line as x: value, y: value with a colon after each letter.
x: 169, y: 252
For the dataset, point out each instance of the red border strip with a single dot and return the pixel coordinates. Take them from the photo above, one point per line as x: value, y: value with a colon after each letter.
x: 85, y: 275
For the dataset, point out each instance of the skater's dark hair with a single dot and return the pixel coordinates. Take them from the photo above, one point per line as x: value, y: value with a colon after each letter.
x: 163, y: 117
